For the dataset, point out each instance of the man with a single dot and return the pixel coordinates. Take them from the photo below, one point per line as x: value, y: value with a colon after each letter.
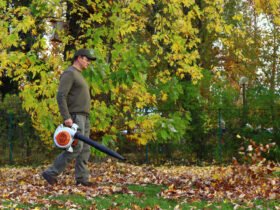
x: 73, y: 99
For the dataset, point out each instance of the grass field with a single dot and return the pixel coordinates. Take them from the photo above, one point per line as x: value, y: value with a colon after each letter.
x: 124, y: 186
x: 145, y: 197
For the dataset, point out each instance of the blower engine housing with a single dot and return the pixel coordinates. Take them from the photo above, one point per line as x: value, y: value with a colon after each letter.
x: 64, y: 136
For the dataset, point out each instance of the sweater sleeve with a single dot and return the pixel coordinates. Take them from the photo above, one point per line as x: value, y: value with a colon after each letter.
x: 66, y: 82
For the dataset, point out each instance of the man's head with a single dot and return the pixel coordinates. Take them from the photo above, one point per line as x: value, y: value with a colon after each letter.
x: 82, y: 58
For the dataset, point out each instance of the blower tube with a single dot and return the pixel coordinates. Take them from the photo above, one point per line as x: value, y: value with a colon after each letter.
x: 98, y: 146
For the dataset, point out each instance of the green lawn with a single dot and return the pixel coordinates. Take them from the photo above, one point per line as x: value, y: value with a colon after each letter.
x: 143, y: 197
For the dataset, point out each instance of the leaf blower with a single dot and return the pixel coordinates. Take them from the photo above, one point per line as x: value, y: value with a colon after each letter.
x: 65, y: 136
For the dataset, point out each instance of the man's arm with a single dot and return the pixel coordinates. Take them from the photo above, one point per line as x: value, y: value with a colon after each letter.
x: 66, y: 82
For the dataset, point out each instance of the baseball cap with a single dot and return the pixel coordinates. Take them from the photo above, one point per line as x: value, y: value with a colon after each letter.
x: 85, y: 52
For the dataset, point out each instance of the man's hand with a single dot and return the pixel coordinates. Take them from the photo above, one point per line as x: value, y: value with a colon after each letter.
x: 68, y: 122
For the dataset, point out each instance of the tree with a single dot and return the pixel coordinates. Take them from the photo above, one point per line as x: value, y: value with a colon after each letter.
x: 144, y: 50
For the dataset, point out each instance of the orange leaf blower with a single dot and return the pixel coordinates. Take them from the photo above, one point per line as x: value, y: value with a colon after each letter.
x: 65, y: 136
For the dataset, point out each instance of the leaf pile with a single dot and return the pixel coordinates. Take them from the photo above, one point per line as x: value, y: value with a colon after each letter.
x: 242, y: 183
x: 236, y: 182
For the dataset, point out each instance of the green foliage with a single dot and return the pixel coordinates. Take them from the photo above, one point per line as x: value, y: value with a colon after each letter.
x: 19, y: 141
x: 173, y: 127
x: 161, y: 69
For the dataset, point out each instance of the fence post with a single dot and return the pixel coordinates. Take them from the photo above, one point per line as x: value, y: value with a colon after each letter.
x: 220, y: 133
x: 10, y: 137
x: 147, y: 153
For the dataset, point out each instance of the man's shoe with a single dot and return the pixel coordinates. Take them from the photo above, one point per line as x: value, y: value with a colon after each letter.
x: 85, y: 183
x: 51, y: 180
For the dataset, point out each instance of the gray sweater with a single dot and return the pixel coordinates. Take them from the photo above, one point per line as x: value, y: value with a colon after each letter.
x: 73, y: 93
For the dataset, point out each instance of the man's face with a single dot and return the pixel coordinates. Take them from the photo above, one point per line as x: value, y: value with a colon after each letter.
x: 84, y: 62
